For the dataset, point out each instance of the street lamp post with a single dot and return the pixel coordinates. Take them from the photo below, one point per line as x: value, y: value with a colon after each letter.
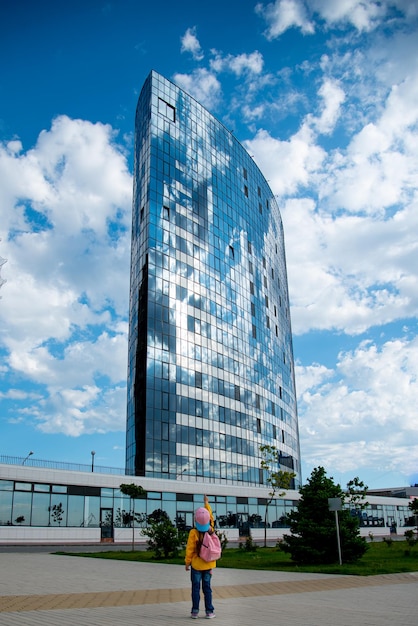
x: 26, y: 458
x: 92, y: 460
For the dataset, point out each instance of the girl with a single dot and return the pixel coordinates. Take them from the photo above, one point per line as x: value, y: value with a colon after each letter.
x: 201, y: 571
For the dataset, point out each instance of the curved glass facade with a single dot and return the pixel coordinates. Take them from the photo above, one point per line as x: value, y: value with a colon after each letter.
x: 210, y: 372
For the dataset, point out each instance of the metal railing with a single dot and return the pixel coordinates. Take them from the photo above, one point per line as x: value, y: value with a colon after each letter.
x: 60, y: 465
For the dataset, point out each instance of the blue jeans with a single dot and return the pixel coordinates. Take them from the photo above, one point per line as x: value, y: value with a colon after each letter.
x: 201, y: 577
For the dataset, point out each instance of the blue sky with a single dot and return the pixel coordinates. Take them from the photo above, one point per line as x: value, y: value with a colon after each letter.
x: 324, y: 95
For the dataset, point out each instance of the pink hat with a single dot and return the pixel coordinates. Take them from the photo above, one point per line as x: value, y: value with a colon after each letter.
x: 202, y: 519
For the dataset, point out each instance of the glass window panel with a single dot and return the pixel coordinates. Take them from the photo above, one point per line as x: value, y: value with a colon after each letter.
x: 6, y: 485
x: 59, y: 488
x: 170, y: 508
x: 58, y: 510
x: 21, y: 508
x: 75, y: 515
x: 41, y: 487
x: 23, y: 486
x: 154, y: 495
x: 91, y: 511
x: 40, y: 509
x: 6, y: 508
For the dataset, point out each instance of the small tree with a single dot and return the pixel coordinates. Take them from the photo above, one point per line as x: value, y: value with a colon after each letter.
x: 134, y: 492
x: 163, y: 537
x: 313, y: 525
x: 411, y: 540
x: 277, y: 480
x: 356, y: 493
x: 413, y: 505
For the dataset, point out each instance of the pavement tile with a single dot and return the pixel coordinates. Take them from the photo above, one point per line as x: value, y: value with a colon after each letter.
x: 55, y: 590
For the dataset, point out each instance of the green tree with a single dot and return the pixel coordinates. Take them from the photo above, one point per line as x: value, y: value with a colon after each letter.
x: 134, y: 492
x: 355, y: 494
x: 163, y: 537
x: 413, y: 505
x: 278, y: 480
x: 313, y: 539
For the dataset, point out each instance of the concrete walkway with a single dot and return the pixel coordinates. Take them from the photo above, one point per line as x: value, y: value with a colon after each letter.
x: 54, y: 590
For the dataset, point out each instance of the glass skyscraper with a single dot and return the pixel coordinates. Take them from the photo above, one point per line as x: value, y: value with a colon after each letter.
x: 210, y: 372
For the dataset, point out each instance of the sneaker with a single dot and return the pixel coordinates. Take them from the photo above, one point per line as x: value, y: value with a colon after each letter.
x: 194, y: 615
x: 210, y: 615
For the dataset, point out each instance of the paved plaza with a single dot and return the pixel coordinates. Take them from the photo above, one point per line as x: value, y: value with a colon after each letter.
x: 39, y: 588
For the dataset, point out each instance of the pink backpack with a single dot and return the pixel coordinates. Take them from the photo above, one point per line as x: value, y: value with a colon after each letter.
x: 210, y: 547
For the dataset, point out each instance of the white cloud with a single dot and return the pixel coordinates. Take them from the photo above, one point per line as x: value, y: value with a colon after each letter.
x: 17, y: 394
x: 202, y: 85
x: 365, y: 416
x: 311, y: 377
x: 307, y: 15
x: 350, y: 273
x: 380, y: 167
x: 66, y: 209
x: 284, y: 14
x: 332, y: 98
x: 240, y: 64
x: 298, y: 157
x: 364, y: 16
x: 89, y: 409
x: 190, y: 43
x: 253, y: 113
x: 408, y: 8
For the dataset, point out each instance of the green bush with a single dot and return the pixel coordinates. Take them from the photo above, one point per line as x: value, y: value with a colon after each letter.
x: 223, y: 539
x: 411, y: 540
x: 164, y: 538
x: 248, y: 545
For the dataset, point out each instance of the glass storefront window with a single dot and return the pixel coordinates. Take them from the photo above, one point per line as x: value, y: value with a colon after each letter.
x: 122, y: 507
x: 58, y: 510
x: 170, y: 508
x: 106, y: 503
x: 22, y: 504
x: 59, y: 488
x: 6, y: 508
x: 75, y: 515
x: 42, y: 488
x: 23, y: 486
x: 154, y: 495
x: 6, y: 485
x: 40, y: 509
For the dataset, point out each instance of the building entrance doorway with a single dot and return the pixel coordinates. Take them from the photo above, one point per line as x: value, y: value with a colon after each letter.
x: 106, y: 525
x: 243, y: 524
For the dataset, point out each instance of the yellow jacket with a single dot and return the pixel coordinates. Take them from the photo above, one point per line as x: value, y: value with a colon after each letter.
x: 192, y: 558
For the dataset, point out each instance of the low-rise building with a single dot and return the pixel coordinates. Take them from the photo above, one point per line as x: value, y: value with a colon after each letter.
x: 62, y: 505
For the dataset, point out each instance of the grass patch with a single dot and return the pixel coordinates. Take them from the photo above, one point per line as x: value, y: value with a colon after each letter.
x: 379, y: 559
